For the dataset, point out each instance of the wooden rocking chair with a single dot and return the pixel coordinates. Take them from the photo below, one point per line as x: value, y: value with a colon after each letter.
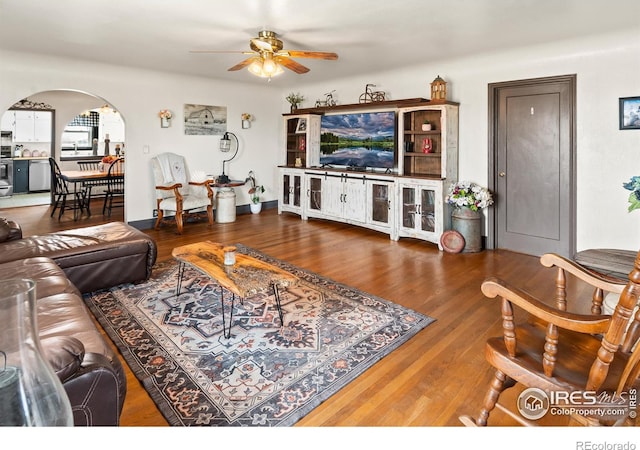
x: 560, y: 351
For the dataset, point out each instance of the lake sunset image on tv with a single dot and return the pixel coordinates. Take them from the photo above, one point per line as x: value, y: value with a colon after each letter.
x: 364, y: 140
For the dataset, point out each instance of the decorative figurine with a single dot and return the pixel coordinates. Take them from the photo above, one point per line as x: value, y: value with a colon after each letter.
x: 370, y: 96
x: 438, y: 90
x: 328, y: 100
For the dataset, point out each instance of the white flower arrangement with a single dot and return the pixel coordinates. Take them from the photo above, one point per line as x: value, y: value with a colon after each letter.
x: 470, y: 195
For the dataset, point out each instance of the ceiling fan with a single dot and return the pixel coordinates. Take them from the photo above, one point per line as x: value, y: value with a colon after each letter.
x: 268, y: 57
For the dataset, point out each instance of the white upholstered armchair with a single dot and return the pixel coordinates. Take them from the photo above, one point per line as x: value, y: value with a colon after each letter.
x: 177, y: 193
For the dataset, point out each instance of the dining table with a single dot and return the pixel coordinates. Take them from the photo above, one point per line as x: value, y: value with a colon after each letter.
x: 83, y: 177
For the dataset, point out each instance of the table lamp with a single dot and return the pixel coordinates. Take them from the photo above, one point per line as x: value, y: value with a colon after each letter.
x: 225, y: 147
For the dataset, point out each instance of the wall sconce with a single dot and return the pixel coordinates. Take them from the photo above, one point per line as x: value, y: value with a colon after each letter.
x: 246, y: 120
x: 225, y: 147
x: 165, y: 118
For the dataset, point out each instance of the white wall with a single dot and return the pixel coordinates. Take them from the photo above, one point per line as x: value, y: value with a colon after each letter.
x: 607, y: 68
x: 139, y: 95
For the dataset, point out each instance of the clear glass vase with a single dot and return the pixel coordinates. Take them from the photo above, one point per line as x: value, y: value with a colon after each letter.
x: 31, y: 394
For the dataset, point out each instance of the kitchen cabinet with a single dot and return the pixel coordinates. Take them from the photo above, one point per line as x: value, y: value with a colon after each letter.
x: 113, y: 125
x: 20, y: 176
x: 33, y: 126
x: 8, y: 121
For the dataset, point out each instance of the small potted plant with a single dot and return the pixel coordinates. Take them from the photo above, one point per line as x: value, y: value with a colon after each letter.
x: 295, y: 100
x: 254, y: 191
x: 426, y: 126
x: 633, y: 185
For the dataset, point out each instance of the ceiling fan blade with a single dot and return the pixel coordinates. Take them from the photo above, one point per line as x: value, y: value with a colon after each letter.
x: 242, y: 64
x: 305, y: 54
x: 291, y: 64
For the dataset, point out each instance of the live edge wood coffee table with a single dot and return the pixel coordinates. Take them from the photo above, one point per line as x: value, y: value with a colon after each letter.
x: 245, y: 278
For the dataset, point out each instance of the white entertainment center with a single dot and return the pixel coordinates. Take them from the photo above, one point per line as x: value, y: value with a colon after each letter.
x: 406, y: 200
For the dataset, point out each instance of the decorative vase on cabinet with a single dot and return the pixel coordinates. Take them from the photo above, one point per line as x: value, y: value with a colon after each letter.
x: 31, y: 393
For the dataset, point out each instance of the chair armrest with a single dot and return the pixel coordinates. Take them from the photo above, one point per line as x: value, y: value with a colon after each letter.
x: 207, y: 184
x: 201, y: 183
x: 606, y: 284
x: 169, y: 187
x: 582, y: 323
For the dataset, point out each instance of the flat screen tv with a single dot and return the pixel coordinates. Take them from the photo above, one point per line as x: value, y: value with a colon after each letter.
x: 359, y: 140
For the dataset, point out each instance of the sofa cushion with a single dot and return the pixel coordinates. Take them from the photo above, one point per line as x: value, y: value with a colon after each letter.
x: 49, y: 277
x: 61, y: 310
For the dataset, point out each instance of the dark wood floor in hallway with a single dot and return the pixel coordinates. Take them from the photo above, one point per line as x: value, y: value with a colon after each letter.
x: 431, y: 380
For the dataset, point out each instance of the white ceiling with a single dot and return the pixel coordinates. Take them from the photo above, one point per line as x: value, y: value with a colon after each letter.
x: 368, y: 35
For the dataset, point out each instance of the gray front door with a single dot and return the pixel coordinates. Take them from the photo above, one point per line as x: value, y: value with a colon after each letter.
x: 532, y: 166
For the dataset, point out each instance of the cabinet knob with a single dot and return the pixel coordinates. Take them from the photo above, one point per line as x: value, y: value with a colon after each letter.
x: 502, y: 174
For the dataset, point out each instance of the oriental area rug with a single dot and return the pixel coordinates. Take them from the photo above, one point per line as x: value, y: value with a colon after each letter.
x: 263, y: 374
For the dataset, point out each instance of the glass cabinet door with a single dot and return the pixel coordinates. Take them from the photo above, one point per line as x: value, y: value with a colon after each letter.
x: 427, y: 210
x: 419, y: 208
x: 315, y: 193
x: 286, y: 189
x: 380, y: 202
x: 297, y: 186
x: 409, y: 207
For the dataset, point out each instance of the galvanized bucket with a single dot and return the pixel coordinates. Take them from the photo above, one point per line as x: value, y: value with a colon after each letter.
x: 468, y: 223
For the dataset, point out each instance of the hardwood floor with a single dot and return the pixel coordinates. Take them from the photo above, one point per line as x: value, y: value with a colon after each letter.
x: 432, y: 379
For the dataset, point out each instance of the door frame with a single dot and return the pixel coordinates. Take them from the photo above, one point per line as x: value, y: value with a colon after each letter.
x: 494, y: 92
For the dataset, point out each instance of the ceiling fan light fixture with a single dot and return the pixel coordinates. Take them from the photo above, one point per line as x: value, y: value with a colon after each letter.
x: 256, y: 67
x: 265, y: 67
x: 269, y: 66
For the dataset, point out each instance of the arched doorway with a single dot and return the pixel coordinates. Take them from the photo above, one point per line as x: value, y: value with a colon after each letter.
x: 68, y: 109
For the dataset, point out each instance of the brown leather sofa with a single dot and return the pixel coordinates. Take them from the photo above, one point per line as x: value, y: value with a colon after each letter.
x: 64, y: 265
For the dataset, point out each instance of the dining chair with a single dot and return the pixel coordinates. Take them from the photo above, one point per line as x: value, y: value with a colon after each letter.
x: 94, y: 188
x: 115, y: 187
x: 62, y: 191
